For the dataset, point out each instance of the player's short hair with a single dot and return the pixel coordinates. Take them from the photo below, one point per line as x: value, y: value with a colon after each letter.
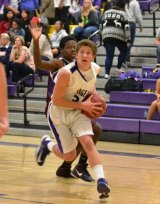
x: 65, y: 39
x: 87, y: 43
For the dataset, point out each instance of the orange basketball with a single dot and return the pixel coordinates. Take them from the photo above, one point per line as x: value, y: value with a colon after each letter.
x: 96, y: 98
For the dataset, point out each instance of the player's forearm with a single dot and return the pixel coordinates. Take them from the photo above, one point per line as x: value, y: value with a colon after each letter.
x: 3, y: 95
x: 65, y: 103
x: 36, y: 53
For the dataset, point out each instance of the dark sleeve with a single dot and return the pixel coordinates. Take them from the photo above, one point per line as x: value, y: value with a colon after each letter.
x: 78, y: 17
x: 93, y: 19
x: 5, y: 59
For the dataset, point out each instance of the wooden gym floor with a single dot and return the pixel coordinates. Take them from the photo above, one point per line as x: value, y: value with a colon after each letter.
x: 133, y: 172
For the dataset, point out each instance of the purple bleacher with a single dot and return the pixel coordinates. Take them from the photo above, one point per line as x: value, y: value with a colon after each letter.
x: 119, y: 124
x: 42, y: 72
x: 145, y: 4
x: 131, y: 97
x: 11, y: 89
x: 150, y: 126
x: 29, y: 81
x: 129, y: 111
x: 149, y: 84
x: 147, y: 69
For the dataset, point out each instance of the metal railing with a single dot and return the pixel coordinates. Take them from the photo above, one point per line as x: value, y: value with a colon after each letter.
x: 157, y: 8
x: 24, y: 95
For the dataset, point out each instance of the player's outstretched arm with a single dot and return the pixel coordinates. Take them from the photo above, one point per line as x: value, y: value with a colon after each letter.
x: 3, y: 103
x: 36, y: 32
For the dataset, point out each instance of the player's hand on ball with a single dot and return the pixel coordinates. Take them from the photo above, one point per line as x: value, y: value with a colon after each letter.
x: 93, y: 106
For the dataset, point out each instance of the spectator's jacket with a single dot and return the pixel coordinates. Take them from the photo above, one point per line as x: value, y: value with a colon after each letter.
x: 4, y: 26
x: 134, y: 12
x: 115, y: 25
x: 56, y: 38
x: 28, y: 36
x: 90, y: 20
x: 5, y: 53
x: 29, y: 5
x: 13, y: 33
x: 47, y: 8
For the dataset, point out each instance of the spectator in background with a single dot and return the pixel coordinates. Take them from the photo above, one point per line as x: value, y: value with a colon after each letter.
x: 115, y: 33
x: 26, y: 16
x: 21, y: 60
x: 157, y: 41
x: 73, y: 10
x: 87, y: 21
x: 13, y: 6
x: 107, y: 4
x: 44, y: 45
x: 47, y: 10
x: 31, y: 5
x: 5, y: 48
x: 133, y: 11
x: 8, y: 5
x: 155, y: 105
x: 4, y: 124
x: 56, y: 37
x: 16, y: 30
x: 62, y: 12
x: 96, y: 4
x: 6, y: 22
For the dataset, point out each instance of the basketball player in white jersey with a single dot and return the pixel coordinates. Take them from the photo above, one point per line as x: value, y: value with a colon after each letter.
x: 67, y: 47
x: 68, y: 124
x: 3, y: 102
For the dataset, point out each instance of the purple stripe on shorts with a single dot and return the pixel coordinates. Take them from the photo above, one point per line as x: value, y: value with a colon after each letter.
x: 53, y: 129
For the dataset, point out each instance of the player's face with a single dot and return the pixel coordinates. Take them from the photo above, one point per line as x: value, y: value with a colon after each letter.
x: 69, y: 51
x: 84, y: 57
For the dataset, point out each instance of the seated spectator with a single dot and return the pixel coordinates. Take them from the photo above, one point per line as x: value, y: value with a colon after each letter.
x: 26, y: 16
x: 157, y: 41
x: 13, y: 6
x: 21, y: 60
x: 5, y: 48
x: 16, y: 30
x: 155, y: 105
x: 87, y: 21
x: 44, y: 45
x: 62, y: 12
x: 73, y: 11
x: 8, y: 5
x: 56, y: 37
x: 6, y: 22
x: 96, y: 4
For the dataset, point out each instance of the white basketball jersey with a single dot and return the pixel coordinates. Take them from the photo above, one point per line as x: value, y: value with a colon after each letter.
x: 81, y: 83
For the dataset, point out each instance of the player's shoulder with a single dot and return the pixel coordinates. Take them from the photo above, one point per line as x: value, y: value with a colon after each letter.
x: 96, y: 67
x: 70, y: 67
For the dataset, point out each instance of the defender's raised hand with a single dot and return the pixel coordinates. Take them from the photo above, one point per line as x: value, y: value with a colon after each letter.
x: 35, y: 29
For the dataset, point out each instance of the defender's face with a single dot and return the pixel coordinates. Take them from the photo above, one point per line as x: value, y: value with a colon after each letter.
x: 69, y: 51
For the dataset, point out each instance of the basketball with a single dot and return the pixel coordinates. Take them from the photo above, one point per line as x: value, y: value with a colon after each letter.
x: 96, y: 98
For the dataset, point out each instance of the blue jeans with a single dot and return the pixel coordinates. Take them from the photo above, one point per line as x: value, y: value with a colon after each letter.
x: 132, y: 27
x: 158, y: 54
x: 110, y: 49
x: 83, y: 33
